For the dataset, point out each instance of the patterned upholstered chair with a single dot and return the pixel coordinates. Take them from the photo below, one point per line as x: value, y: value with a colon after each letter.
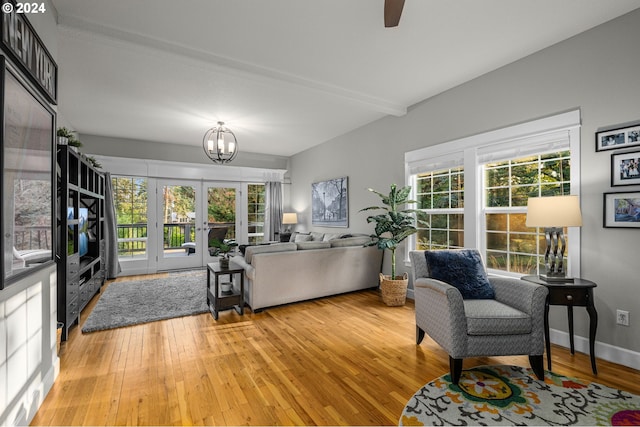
x: 510, y: 323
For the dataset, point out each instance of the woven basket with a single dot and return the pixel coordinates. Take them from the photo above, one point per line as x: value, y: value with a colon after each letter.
x: 394, y: 291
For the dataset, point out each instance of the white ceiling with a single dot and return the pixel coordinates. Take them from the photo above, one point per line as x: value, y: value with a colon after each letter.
x: 286, y: 75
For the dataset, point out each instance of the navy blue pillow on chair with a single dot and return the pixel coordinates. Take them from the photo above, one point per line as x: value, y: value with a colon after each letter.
x: 463, y: 269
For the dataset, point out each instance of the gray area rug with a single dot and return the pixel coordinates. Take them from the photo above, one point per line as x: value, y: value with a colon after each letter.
x: 134, y: 302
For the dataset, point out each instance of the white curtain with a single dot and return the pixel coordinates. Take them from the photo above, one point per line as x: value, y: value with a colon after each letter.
x: 273, y: 210
x: 111, y: 230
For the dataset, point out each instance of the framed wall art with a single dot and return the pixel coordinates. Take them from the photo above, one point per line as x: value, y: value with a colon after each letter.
x: 618, y: 138
x: 625, y: 168
x: 622, y: 210
x: 330, y: 203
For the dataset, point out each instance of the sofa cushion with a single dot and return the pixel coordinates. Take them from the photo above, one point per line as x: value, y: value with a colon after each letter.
x: 302, y: 238
x: 276, y: 247
x: 317, y: 236
x: 350, y: 241
x: 491, y: 317
x: 331, y: 236
x: 463, y: 269
x: 294, y: 235
x: 313, y: 245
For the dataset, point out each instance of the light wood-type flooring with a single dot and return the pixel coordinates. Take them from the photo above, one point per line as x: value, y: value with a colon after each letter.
x: 344, y: 360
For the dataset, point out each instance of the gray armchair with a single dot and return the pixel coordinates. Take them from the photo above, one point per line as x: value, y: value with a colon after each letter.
x: 510, y: 324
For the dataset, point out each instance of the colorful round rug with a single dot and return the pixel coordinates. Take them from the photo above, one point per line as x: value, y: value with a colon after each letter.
x: 512, y: 395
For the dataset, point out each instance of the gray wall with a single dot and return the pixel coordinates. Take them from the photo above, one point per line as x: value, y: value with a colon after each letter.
x: 137, y: 149
x: 597, y: 71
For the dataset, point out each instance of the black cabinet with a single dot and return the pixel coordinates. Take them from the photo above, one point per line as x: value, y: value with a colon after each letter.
x: 80, y: 225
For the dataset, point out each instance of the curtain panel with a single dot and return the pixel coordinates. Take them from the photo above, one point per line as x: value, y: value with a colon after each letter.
x: 273, y: 210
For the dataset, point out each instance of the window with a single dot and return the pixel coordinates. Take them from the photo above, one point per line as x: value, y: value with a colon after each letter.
x: 255, y: 212
x: 130, y: 200
x: 475, y: 191
x: 27, y: 225
x: 510, y: 244
x: 440, y: 195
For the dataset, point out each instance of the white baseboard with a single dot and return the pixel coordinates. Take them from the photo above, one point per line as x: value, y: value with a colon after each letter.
x: 608, y: 352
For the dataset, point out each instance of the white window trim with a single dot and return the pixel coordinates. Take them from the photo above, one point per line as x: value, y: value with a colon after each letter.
x: 468, y: 152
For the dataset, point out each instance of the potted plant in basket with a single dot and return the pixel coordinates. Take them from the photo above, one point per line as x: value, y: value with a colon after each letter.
x: 392, y: 227
x: 222, y: 248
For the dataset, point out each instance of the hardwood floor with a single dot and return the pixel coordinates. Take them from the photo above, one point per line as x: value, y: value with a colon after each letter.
x: 345, y: 360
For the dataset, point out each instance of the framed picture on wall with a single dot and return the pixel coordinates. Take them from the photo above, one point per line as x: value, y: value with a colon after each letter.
x: 330, y: 203
x: 618, y: 138
x: 625, y: 168
x: 622, y: 210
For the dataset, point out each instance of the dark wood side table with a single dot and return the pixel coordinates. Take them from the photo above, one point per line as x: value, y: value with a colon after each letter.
x: 578, y: 293
x: 217, y: 300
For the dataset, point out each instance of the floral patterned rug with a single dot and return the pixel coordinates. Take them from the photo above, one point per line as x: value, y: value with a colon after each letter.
x: 512, y: 395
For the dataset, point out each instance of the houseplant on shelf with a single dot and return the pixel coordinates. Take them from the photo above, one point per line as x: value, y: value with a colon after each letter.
x: 67, y: 137
x: 222, y: 248
x: 392, y: 227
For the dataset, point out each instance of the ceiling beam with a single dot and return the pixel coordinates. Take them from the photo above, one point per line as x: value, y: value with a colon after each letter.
x: 227, y: 65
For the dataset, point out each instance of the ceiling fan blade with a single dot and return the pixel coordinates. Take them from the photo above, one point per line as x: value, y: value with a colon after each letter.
x: 392, y: 12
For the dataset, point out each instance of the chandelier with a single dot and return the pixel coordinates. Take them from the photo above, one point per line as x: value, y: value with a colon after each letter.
x: 220, y: 144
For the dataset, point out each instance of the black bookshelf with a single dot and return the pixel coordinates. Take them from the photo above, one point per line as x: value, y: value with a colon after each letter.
x: 80, y: 225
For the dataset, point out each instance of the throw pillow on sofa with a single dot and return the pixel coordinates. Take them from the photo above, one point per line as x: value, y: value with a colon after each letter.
x: 302, y: 238
x: 317, y: 236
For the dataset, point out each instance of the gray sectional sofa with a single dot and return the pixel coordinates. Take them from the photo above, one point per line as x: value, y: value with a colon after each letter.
x: 308, y: 268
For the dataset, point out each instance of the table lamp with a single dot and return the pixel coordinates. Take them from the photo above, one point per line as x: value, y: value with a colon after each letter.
x: 289, y: 219
x: 554, y: 213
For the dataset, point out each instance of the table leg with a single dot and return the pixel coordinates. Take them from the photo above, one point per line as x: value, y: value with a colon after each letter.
x: 570, y: 316
x: 547, y: 339
x: 241, y: 294
x: 216, y: 295
x: 208, y: 287
x: 593, y: 325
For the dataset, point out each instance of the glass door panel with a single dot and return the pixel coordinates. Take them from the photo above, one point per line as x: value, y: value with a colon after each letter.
x: 179, y: 238
x: 222, y: 215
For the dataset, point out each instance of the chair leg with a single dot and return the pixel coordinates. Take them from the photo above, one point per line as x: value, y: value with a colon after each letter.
x: 419, y: 335
x: 537, y: 364
x: 455, y: 366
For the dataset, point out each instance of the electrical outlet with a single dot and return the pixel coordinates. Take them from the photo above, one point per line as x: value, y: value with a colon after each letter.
x: 622, y: 317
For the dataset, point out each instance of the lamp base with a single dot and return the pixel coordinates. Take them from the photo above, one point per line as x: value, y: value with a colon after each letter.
x: 555, y: 278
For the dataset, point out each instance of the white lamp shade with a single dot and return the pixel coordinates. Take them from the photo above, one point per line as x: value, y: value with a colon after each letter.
x: 557, y: 211
x: 290, y: 218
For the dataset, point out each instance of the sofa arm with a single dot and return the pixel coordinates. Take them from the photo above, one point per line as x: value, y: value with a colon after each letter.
x: 525, y: 296
x: 249, y: 271
x: 440, y: 313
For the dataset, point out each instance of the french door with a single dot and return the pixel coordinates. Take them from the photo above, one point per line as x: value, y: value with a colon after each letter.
x: 190, y: 215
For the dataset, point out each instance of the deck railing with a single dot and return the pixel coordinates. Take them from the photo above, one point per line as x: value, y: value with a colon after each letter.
x: 32, y: 237
x: 132, y: 238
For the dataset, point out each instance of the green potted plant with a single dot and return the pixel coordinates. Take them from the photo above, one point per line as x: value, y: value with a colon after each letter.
x: 392, y: 227
x: 67, y: 137
x: 222, y: 248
